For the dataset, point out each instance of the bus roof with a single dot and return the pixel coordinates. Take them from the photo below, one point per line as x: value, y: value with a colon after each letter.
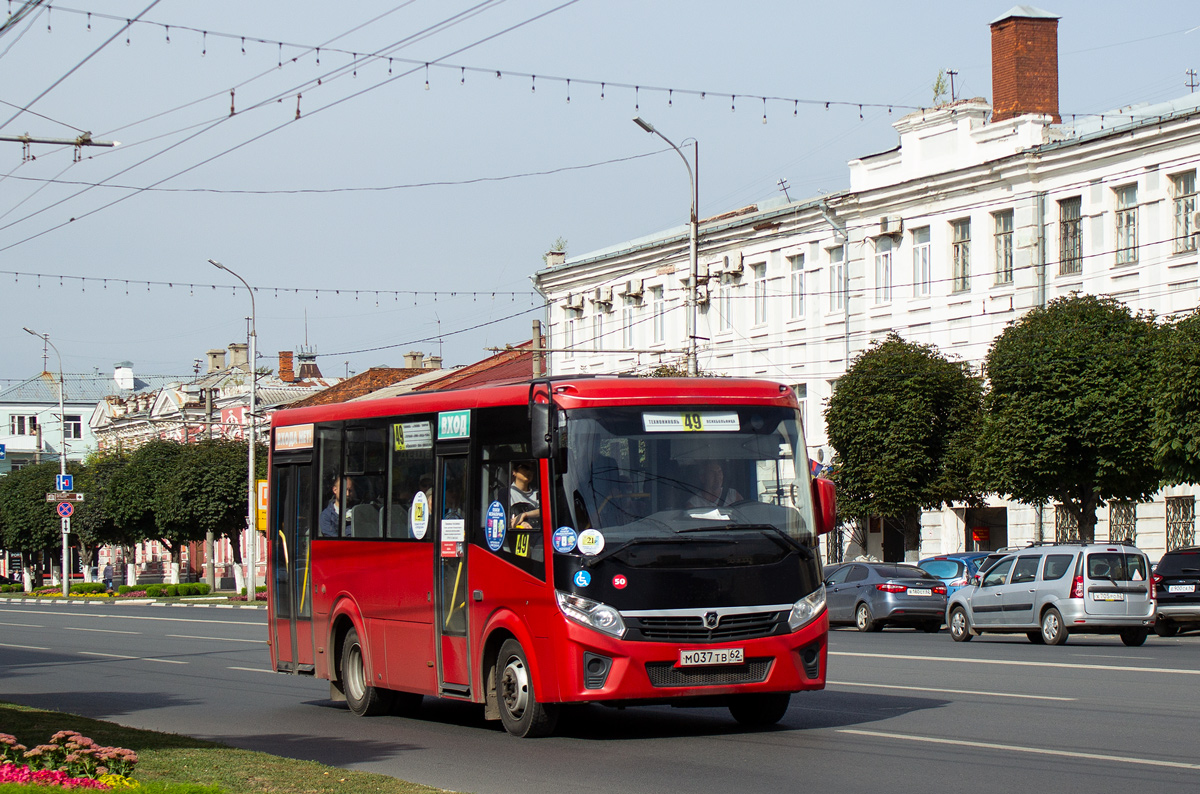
x: 569, y: 392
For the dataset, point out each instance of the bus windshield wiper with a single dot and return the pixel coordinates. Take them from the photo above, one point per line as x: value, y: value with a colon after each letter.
x: 775, y: 533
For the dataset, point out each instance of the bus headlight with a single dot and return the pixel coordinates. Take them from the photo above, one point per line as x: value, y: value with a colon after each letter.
x: 807, y: 608
x: 592, y: 614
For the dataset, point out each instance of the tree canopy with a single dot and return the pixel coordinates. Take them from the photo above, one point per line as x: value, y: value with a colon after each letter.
x: 901, y: 422
x: 1067, y: 416
x: 1175, y: 400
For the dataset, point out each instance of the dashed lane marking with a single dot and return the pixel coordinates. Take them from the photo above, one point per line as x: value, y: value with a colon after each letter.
x: 1017, y: 663
x: 948, y: 691
x: 137, y: 658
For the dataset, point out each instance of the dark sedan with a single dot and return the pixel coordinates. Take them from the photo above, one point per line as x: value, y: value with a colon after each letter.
x: 1177, y: 580
x: 872, y: 595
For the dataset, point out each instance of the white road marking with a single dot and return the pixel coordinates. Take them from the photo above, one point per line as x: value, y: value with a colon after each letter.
x: 948, y: 691
x: 216, y: 639
x: 1014, y: 663
x: 25, y: 625
x: 130, y: 617
x: 138, y: 658
x: 106, y: 631
x: 1015, y: 748
x: 252, y: 669
x: 24, y: 647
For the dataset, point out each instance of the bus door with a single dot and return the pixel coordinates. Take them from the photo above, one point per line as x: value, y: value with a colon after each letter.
x: 291, y: 624
x: 450, y: 577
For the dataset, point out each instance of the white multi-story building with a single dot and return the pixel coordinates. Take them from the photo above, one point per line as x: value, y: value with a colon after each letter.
x: 981, y: 212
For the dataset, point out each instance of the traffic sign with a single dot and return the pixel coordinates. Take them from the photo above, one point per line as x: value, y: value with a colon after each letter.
x: 64, y: 482
x: 64, y: 496
x: 65, y: 509
x: 2, y: 452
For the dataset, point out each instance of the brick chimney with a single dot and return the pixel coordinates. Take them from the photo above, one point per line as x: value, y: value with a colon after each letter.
x: 308, y: 366
x: 286, y: 374
x: 216, y: 360
x: 1025, y: 64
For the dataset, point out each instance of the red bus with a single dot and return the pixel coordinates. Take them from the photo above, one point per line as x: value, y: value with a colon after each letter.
x: 586, y: 540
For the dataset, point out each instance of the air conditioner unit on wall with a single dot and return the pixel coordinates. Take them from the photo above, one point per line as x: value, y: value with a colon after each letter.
x: 891, y: 224
x: 573, y: 302
x: 634, y: 288
x: 1196, y: 223
x: 733, y: 265
x: 603, y: 297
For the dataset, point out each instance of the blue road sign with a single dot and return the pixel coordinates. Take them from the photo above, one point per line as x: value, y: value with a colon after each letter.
x: 64, y: 482
x: 2, y: 452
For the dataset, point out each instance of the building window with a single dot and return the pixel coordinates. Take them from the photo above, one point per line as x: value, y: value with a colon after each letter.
x: 883, y: 269
x: 725, y: 306
x: 1181, y: 521
x: 22, y: 425
x: 1004, y: 246
x: 1184, y: 189
x: 801, y: 392
x: 597, y: 332
x: 962, y: 254
x: 1070, y: 236
x: 627, y: 321
x: 74, y: 426
x: 1127, y: 225
x: 760, y: 293
x: 1122, y: 521
x: 921, y: 273
x: 1066, y: 525
x: 797, y: 285
x: 569, y: 335
x: 656, y: 312
x: 837, y: 279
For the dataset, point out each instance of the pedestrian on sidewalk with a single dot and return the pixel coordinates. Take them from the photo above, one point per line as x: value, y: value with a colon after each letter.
x: 108, y: 576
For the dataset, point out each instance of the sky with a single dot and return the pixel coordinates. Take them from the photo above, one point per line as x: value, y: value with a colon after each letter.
x: 381, y: 206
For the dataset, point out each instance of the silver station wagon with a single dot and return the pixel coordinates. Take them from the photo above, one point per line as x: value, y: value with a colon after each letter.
x: 1050, y: 591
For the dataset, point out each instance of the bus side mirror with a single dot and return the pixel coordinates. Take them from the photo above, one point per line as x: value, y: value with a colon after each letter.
x: 539, y: 441
x: 824, y: 494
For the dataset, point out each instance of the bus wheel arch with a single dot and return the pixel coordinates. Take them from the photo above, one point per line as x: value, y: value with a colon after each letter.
x: 521, y: 712
x: 491, y: 651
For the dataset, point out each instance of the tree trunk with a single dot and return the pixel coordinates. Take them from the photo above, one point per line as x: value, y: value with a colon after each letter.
x: 239, y: 578
x: 912, y: 535
x: 87, y: 555
x: 130, y: 565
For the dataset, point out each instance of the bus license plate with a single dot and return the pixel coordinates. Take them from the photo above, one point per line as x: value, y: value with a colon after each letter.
x: 717, y: 656
x: 1108, y: 596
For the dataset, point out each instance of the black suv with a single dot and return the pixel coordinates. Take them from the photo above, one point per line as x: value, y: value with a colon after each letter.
x: 1177, y: 579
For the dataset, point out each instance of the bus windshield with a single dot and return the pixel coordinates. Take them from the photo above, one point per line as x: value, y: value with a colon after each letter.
x: 650, y: 476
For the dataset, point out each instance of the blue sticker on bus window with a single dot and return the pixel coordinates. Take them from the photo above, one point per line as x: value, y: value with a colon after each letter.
x: 496, y: 522
x: 582, y: 578
x: 564, y: 540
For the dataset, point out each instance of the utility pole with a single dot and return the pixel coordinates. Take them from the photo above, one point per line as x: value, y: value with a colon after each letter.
x: 1191, y: 83
x: 952, y: 72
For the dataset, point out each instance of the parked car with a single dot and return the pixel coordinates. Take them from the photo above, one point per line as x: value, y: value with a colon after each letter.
x: 872, y: 595
x: 9, y: 580
x: 1177, y: 582
x: 955, y: 569
x: 1050, y: 591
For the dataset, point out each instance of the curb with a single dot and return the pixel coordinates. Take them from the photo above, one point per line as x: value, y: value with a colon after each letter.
x: 136, y: 601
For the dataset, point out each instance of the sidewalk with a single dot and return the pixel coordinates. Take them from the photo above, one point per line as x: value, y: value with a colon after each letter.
x: 199, y: 601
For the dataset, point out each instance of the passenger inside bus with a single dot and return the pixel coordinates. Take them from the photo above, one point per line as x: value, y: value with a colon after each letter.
x: 712, y: 491
x: 343, y: 486
x: 362, y: 519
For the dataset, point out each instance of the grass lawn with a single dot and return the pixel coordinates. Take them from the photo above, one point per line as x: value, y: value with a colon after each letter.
x: 172, y: 758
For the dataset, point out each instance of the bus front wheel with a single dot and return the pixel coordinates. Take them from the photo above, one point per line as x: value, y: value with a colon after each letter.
x: 362, y: 698
x: 520, y: 711
x: 760, y: 711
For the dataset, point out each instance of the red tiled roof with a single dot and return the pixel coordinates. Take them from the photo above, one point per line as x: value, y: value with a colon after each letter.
x: 358, y: 385
x: 508, y: 366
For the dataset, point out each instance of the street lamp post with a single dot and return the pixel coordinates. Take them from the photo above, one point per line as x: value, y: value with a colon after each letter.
x: 251, y: 538
x: 62, y: 466
x: 694, y: 234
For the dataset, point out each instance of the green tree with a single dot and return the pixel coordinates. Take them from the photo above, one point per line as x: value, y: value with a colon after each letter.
x: 901, y: 422
x: 138, y: 491
x: 93, y: 519
x: 1175, y: 400
x: 1067, y: 416
x: 30, y: 524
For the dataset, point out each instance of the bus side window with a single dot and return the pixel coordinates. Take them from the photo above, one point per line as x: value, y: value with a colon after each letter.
x: 510, y: 506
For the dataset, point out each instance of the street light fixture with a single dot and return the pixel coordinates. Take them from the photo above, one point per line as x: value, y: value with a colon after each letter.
x: 251, y: 538
x: 62, y: 466
x: 694, y: 234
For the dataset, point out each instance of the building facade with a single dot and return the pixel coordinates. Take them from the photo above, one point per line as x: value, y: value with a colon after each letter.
x: 980, y: 213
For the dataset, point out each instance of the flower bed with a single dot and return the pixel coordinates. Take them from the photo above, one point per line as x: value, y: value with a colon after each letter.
x: 68, y: 760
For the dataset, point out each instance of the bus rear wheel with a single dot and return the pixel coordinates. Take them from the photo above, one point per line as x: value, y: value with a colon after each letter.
x: 760, y: 711
x: 362, y: 698
x: 520, y: 711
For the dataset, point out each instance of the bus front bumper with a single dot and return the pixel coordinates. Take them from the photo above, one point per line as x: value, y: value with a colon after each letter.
x: 596, y: 667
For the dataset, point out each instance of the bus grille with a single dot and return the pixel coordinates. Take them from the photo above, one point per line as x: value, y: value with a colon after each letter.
x: 690, y: 628
x: 666, y: 674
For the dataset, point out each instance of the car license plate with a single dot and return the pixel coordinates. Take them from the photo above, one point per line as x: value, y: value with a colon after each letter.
x: 920, y: 591
x: 1108, y: 596
x: 1181, y: 588
x: 716, y: 656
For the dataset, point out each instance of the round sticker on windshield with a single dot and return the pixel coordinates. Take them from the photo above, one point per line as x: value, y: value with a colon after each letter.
x: 582, y: 578
x: 591, y: 542
x: 418, y: 516
x: 496, y: 521
x: 564, y: 540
